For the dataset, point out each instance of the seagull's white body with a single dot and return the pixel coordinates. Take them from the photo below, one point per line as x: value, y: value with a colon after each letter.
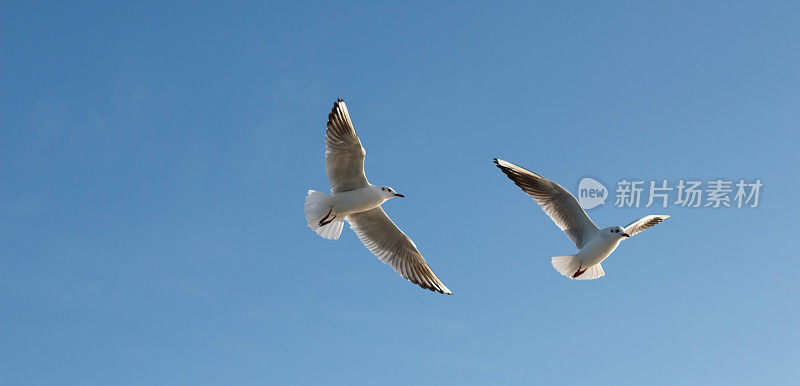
x: 358, y: 202
x: 594, y: 244
x: 597, y: 249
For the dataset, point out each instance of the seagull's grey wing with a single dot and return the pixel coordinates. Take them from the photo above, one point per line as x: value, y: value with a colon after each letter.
x: 393, y: 247
x: 344, y: 155
x: 644, y: 223
x: 556, y: 201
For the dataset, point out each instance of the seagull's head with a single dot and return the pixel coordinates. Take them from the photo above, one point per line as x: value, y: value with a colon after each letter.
x: 389, y: 192
x: 617, y: 232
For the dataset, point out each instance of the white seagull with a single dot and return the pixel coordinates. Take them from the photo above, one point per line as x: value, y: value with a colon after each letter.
x: 594, y: 244
x: 354, y: 199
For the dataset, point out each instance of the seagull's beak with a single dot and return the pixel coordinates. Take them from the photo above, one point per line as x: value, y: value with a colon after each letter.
x: 398, y: 195
x: 626, y: 235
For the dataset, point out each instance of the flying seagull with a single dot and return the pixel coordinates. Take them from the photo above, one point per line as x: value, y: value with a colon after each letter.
x: 354, y: 199
x: 594, y: 244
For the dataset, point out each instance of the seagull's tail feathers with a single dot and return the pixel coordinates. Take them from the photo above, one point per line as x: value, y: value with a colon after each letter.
x: 320, y: 215
x: 331, y: 230
x: 570, y: 267
x: 565, y: 265
x: 592, y: 272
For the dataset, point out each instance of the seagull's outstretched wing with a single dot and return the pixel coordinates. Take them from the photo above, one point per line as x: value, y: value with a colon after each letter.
x: 556, y: 201
x: 344, y: 155
x: 644, y: 223
x: 393, y: 247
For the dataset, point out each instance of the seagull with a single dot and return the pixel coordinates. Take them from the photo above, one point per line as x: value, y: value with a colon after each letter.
x: 358, y: 202
x: 594, y: 244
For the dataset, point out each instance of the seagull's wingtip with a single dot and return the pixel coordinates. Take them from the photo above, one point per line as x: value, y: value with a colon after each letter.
x: 503, y: 164
x: 443, y: 290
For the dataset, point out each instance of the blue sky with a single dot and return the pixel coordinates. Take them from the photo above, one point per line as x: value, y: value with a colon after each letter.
x: 154, y: 159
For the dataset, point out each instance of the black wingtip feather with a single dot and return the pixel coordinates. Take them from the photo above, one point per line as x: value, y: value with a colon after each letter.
x: 431, y: 288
